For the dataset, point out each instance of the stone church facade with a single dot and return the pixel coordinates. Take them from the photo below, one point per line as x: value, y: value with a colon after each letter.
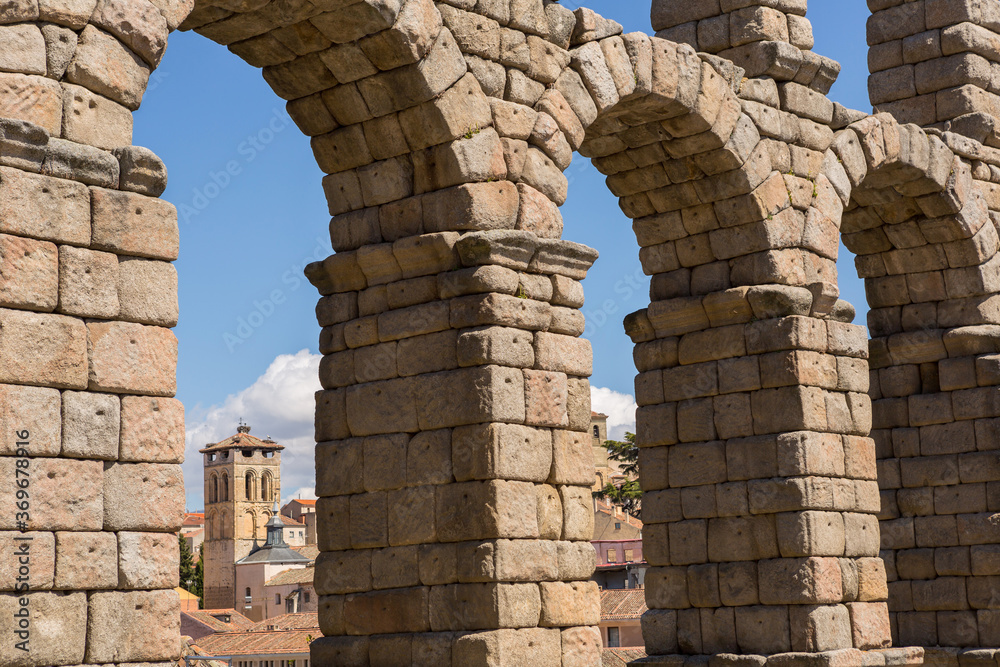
x: 782, y: 451
x: 242, y: 483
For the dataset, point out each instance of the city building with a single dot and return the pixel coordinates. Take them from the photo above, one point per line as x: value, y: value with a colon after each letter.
x: 269, y: 648
x: 253, y: 571
x: 295, y: 588
x: 296, y: 621
x: 242, y: 486
x: 193, y: 531
x: 619, y: 564
x: 621, y: 611
x: 201, y: 623
x: 304, y: 511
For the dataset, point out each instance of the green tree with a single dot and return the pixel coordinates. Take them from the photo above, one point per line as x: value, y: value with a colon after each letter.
x: 187, y: 564
x: 192, y: 574
x: 628, y: 494
x: 198, y: 587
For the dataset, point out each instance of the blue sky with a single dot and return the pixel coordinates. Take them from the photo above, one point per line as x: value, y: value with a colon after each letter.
x: 252, y: 214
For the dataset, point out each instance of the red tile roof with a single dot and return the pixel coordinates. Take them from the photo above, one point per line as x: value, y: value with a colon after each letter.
x: 606, y: 508
x: 619, y: 657
x: 623, y: 604
x: 259, y: 643
x: 290, y: 522
x: 241, y: 440
x: 310, y: 551
x: 237, y: 621
x: 597, y: 414
x: 194, y: 518
x: 301, y: 621
x: 297, y: 576
x: 303, y: 502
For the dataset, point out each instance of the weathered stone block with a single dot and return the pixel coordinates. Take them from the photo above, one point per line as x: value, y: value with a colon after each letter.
x: 42, y: 349
x: 143, y: 497
x: 147, y: 560
x: 90, y: 425
x: 66, y: 638
x: 30, y: 277
x: 86, y: 561
x: 94, y: 120
x: 140, y: 626
x: 469, y: 396
x: 152, y: 430
x: 46, y: 110
x: 147, y: 292
x: 486, y: 510
x: 107, y: 67
x: 570, y: 603
x: 132, y: 358
x: 131, y: 224
x: 32, y: 560
x: 35, y: 410
x: 88, y: 282
x: 501, y: 451
x: 65, y: 494
x: 42, y: 207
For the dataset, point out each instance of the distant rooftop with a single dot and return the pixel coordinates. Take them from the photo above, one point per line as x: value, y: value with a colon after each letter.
x: 300, y: 576
x: 215, y: 619
x: 243, y: 440
x: 259, y: 643
x: 300, y: 621
x: 623, y: 604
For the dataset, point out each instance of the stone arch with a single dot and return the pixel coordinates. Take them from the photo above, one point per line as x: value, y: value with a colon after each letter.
x: 224, y: 487
x: 450, y: 314
x: 267, y: 487
x: 213, y: 491
x: 250, y: 485
x: 249, y: 525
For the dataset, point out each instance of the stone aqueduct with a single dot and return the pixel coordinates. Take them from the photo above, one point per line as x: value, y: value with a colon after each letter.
x: 778, y: 442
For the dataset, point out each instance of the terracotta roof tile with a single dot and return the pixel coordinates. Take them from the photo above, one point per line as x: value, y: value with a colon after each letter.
x: 242, y: 440
x: 237, y: 621
x: 310, y: 551
x: 257, y: 643
x: 301, y: 621
x: 299, y: 576
x: 619, y: 657
x: 623, y: 604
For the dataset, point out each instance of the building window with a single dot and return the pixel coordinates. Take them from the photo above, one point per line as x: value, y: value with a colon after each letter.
x: 225, y: 488
x: 305, y: 596
x: 618, y: 525
x: 614, y: 640
x: 597, y: 431
x: 277, y: 598
x: 612, y: 556
x: 265, y: 488
x: 629, y: 556
x: 248, y: 487
x: 249, y: 598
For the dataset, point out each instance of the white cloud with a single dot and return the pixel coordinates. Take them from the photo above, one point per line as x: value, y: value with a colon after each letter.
x: 279, y: 404
x: 620, y: 409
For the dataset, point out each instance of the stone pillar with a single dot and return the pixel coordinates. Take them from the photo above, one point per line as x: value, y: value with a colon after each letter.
x: 760, y: 478
x: 933, y: 63
x: 91, y: 440
x: 931, y: 281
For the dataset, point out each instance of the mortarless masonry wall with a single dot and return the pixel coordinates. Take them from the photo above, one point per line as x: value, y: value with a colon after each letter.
x: 453, y: 461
